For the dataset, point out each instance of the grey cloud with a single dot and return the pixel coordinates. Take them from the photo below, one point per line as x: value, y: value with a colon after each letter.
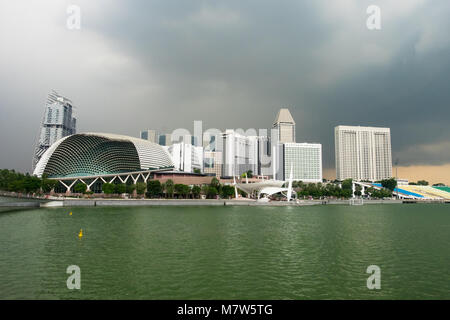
x: 233, y: 64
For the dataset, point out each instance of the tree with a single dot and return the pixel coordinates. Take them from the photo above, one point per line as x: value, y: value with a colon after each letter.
x: 389, y: 183
x: 140, y: 188
x: 108, y: 188
x: 169, y: 188
x: 48, y: 185
x: 31, y: 183
x: 197, y: 170
x: 154, y: 188
x: 345, y: 193
x: 440, y: 184
x: 80, y: 187
x: 196, y: 190
x: 215, y: 183
x: 182, y: 189
x: 121, y: 188
x: 347, y: 184
x: 131, y: 188
x: 227, y: 191
x: 205, y: 189
x: 422, y: 183
x: 212, y: 192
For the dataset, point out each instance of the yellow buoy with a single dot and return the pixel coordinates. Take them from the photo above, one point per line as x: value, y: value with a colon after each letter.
x: 80, y: 235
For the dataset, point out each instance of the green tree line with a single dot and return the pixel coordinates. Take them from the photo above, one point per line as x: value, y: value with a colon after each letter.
x: 13, y: 181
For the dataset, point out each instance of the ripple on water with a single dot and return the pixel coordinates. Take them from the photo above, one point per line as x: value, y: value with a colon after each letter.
x: 320, y: 252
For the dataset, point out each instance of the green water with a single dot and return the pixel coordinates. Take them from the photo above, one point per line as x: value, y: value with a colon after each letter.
x: 317, y: 252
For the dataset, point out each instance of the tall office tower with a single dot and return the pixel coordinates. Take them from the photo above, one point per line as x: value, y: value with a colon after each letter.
x: 285, y: 125
x: 240, y: 153
x: 264, y: 156
x: 363, y: 153
x: 305, y: 159
x: 57, y: 122
x: 186, y: 157
x: 212, y: 163
x: 149, y: 135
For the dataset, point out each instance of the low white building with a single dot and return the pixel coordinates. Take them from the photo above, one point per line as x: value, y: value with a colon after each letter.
x: 186, y: 157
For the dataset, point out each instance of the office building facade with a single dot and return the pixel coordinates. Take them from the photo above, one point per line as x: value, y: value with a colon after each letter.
x: 212, y: 163
x: 305, y: 160
x: 186, y: 157
x: 363, y: 153
x: 240, y: 153
x: 58, y: 122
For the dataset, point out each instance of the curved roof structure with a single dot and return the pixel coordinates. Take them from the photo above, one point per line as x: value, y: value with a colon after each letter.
x: 90, y: 154
x: 262, y: 185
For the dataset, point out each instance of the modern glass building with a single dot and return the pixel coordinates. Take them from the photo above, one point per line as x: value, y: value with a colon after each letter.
x: 57, y: 122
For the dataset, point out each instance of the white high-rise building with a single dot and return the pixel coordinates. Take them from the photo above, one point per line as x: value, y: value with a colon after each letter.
x: 186, y: 157
x: 363, y: 153
x: 285, y: 125
x: 240, y: 153
x: 305, y: 159
x: 264, y: 156
x: 58, y: 122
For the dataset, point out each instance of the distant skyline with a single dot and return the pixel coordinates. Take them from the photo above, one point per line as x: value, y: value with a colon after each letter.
x: 232, y: 64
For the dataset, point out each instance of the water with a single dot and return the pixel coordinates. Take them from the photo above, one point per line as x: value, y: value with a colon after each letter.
x: 317, y: 252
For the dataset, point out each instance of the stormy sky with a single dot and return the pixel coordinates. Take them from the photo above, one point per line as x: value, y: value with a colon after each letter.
x: 232, y: 64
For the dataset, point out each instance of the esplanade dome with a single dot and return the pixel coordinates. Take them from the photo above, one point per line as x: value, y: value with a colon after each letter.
x: 92, y: 154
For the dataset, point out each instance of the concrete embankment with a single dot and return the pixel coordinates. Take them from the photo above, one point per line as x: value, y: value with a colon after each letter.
x: 166, y: 202
x: 23, y: 204
x: 197, y: 202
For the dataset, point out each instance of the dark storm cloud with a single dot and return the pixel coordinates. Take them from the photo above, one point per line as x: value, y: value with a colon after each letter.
x: 233, y: 64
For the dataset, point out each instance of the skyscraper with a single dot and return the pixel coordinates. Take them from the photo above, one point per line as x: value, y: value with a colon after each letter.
x: 57, y: 122
x: 285, y: 125
x: 240, y: 153
x: 363, y: 153
x: 149, y: 135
